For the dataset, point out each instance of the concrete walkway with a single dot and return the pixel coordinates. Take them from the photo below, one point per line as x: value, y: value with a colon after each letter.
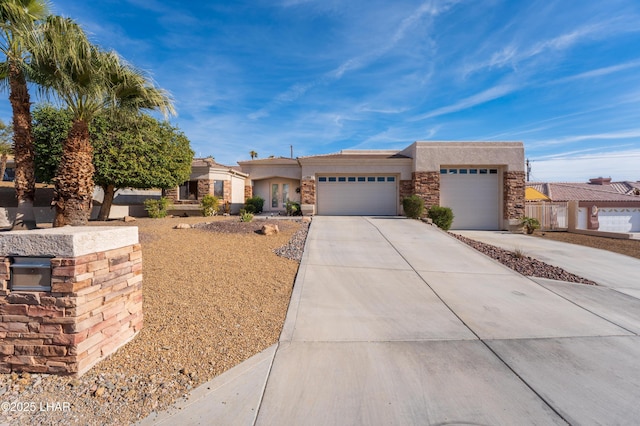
x: 393, y: 322
x: 604, y: 267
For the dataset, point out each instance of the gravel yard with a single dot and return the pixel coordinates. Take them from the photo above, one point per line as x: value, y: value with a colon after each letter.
x: 626, y: 247
x: 214, y: 295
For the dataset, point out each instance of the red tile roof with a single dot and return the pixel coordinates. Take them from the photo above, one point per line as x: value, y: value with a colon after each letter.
x: 568, y: 191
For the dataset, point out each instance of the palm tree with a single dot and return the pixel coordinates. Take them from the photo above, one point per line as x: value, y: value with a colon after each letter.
x: 88, y: 81
x: 5, y: 147
x: 253, y: 154
x: 18, y: 20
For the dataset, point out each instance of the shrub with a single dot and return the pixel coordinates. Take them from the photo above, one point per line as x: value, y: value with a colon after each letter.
x: 249, y: 208
x: 157, y: 208
x: 256, y: 202
x: 441, y: 216
x: 246, y: 217
x: 293, y: 209
x: 209, y: 205
x: 413, y: 206
x: 530, y: 224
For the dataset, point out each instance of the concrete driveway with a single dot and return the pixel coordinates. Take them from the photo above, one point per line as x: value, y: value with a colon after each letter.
x: 392, y: 321
x: 604, y: 267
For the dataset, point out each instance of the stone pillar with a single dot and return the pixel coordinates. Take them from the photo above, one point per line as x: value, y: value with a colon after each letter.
x: 171, y: 194
x: 205, y: 187
x: 226, y: 191
x: 248, y: 192
x: 93, y: 308
x: 308, y: 195
x: 514, y: 187
x: 427, y: 186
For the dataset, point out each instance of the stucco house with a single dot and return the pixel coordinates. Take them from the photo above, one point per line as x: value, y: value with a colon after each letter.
x: 482, y: 182
x: 208, y: 177
x: 597, y: 205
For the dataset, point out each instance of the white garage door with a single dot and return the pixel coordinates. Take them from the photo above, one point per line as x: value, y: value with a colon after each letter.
x: 474, y: 196
x: 357, y: 195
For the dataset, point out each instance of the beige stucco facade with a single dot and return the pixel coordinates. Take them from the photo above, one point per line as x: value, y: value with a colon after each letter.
x: 417, y: 169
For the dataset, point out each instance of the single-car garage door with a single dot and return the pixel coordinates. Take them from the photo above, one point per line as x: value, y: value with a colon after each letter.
x: 474, y: 196
x: 368, y: 195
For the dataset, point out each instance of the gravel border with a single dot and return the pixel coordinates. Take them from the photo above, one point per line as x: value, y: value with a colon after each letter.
x: 523, y: 264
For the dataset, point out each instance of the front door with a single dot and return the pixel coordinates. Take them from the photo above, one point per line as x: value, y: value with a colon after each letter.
x: 279, y: 196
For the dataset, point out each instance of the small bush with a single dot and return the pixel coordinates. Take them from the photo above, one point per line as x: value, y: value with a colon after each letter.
x: 249, y: 208
x: 293, y: 209
x: 530, y: 224
x: 246, y: 217
x: 209, y: 205
x: 157, y: 209
x: 413, y: 206
x: 256, y: 202
x: 441, y: 216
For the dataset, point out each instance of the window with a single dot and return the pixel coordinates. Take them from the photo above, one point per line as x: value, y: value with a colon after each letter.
x: 483, y: 171
x: 443, y: 171
x: 380, y: 178
x: 493, y: 171
x: 453, y: 171
x: 322, y: 179
x: 285, y: 194
x: 463, y: 171
x: 351, y: 179
x: 371, y: 179
x: 188, y: 190
x: 342, y: 179
x: 361, y: 179
x: 218, y: 189
x: 274, y: 196
x: 473, y: 171
x: 332, y: 179
x: 391, y: 179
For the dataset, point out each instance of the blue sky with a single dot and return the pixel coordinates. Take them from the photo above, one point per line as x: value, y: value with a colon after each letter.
x: 324, y: 75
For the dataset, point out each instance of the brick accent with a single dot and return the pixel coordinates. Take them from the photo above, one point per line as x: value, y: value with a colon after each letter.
x: 171, y: 194
x: 514, y: 187
x: 427, y: 186
x: 226, y: 191
x: 205, y: 187
x: 248, y: 192
x: 94, y: 307
x: 308, y: 191
x: 406, y: 189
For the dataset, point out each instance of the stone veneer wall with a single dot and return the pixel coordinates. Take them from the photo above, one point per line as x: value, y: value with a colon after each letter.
x: 427, y: 186
x: 171, y: 194
x: 226, y: 191
x: 205, y: 187
x: 308, y: 195
x: 94, y: 307
x: 248, y: 192
x: 514, y: 188
x: 406, y: 189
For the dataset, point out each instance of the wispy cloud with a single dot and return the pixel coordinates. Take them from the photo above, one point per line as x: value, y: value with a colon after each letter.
x: 623, y: 134
x: 426, y: 9
x: 471, y: 101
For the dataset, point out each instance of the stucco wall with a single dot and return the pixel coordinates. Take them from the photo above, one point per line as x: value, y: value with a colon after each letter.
x: 429, y: 156
x: 346, y: 166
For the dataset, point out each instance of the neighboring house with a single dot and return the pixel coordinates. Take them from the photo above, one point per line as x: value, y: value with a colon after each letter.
x: 482, y: 182
x: 597, y: 205
x: 208, y: 177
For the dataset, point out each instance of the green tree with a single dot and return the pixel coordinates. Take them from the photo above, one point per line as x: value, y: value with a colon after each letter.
x: 88, y: 81
x: 140, y: 152
x: 18, y: 22
x: 6, y: 147
x: 253, y: 154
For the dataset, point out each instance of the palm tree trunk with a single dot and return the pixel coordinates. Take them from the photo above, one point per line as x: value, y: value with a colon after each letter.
x: 3, y: 165
x: 74, y: 178
x: 25, y: 181
x: 107, y: 201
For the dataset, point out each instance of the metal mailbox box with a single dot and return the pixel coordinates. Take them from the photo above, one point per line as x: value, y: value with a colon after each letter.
x: 31, y: 274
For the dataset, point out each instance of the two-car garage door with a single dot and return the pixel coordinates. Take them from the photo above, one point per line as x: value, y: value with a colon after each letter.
x: 474, y: 196
x: 356, y: 195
